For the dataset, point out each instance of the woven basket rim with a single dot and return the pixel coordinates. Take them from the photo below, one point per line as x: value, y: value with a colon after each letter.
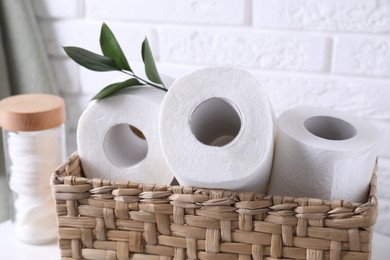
x: 57, y: 178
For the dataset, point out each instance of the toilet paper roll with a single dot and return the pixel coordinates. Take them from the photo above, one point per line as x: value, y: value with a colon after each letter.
x: 118, y: 137
x: 323, y: 153
x: 217, y: 130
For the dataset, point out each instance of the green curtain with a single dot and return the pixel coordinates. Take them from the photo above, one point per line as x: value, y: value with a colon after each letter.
x: 24, y: 66
x: 4, y: 91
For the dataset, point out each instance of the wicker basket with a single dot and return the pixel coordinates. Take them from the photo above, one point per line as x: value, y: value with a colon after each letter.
x: 103, y: 219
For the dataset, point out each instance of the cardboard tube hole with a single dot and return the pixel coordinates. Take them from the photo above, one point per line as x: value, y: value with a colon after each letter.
x: 215, y: 122
x: 330, y: 128
x: 125, y: 145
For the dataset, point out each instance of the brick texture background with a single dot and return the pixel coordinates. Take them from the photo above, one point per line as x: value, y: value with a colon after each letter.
x: 322, y: 53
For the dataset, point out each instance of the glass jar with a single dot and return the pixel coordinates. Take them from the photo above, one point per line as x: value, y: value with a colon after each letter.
x: 34, y: 146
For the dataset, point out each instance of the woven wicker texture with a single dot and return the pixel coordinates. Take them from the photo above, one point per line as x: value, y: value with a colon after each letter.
x: 103, y: 219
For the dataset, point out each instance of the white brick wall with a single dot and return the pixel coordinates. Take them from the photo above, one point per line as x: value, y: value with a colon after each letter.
x: 369, y: 16
x: 244, y: 47
x: 58, y: 8
x: 362, y: 55
x: 225, y: 12
x: 322, y: 53
x: 85, y: 33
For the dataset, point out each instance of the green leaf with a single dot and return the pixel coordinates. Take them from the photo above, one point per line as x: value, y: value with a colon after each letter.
x: 150, y: 65
x: 111, y: 48
x: 90, y: 60
x: 115, y: 87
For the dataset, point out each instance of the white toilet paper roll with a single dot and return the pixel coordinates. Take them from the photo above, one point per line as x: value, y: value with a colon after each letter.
x: 118, y: 137
x: 217, y: 130
x: 323, y: 153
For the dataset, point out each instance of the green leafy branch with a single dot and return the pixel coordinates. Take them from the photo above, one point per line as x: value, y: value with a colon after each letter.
x: 113, y: 59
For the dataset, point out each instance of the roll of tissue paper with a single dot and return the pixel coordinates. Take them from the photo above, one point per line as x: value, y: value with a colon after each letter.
x: 118, y: 137
x: 217, y: 130
x: 323, y: 153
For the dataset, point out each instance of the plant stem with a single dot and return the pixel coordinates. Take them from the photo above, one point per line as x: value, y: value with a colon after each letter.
x: 145, y: 81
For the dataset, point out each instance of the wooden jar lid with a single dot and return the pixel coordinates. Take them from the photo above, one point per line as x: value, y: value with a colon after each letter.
x: 31, y: 112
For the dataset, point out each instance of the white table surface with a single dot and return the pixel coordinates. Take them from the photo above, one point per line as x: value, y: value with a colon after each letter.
x: 13, y: 249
